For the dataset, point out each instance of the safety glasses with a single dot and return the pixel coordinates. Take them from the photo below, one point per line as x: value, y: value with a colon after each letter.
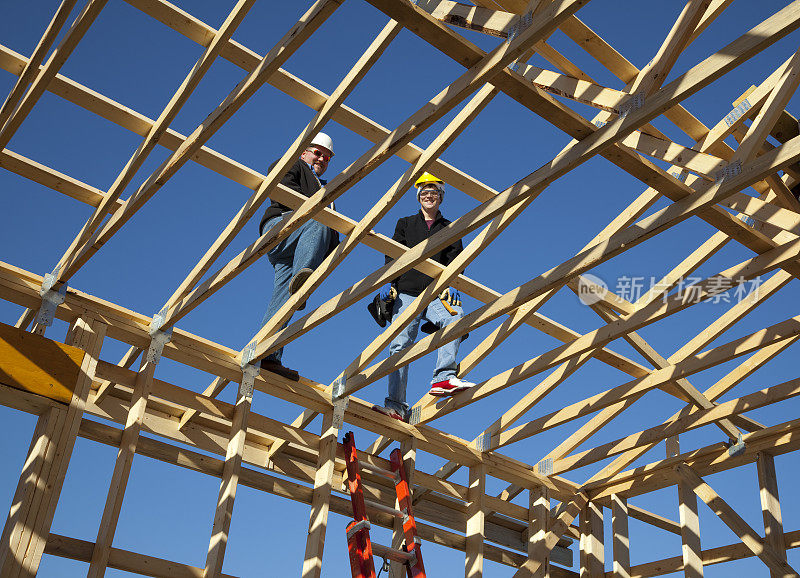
x: 320, y: 154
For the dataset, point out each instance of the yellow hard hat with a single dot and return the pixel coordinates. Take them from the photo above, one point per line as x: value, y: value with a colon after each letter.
x: 426, y: 179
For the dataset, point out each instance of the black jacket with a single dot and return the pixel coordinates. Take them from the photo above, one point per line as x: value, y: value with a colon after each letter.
x: 303, y: 180
x: 410, y: 231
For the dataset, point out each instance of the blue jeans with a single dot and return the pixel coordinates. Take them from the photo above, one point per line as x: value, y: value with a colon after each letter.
x: 446, y: 355
x: 306, y: 247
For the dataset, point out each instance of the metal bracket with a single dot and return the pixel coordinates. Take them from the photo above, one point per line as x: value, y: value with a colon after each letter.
x: 737, y: 112
x: 483, y: 442
x: 730, y: 171
x: 357, y: 527
x: 545, y: 467
x: 157, y: 342
x: 681, y: 176
x: 523, y: 22
x: 338, y: 387
x: 747, y: 220
x: 416, y: 414
x: 737, y: 448
x: 635, y: 102
x: 249, y: 373
x: 158, y: 321
x: 339, y: 407
x: 599, y: 123
x: 50, y: 300
x: 248, y: 353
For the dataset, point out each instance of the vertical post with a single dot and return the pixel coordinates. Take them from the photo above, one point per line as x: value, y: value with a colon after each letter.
x: 409, y: 449
x: 622, y: 549
x: 122, y: 466
x: 538, y: 523
x: 320, y: 501
x: 770, y: 505
x: 592, y: 550
x: 476, y: 513
x: 230, y: 476
x: 35, y: 500
x: 689, y: 519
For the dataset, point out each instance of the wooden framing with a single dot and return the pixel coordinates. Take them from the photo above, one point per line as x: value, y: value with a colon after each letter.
x: 75, y: 392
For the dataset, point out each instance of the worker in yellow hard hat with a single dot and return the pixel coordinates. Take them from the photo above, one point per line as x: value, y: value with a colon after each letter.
x: 410, y: 231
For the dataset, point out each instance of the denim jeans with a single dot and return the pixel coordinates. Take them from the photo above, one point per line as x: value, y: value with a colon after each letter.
x: 446, y: 355
x: 306, y: 247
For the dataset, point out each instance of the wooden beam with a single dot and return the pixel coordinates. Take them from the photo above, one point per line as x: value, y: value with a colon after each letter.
x: 735, y: 522
x: 122, y: 466
x: 539, y: 508
x: 621, y: 542
x: 229, y: 484
x: 320, y: 503
x: 476, y: 513
x: 592, y: 549
x: 770, y: 506
x: 689, y: 521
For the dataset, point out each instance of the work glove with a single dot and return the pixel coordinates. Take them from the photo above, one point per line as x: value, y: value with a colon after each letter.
x: 451, y: 296
x: 386, y: 292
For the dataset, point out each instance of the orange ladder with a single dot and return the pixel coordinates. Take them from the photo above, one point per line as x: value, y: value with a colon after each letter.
x: 359, y: 545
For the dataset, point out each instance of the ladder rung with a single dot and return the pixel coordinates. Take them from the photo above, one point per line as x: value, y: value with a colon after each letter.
x: 391, y: 554
x: 376, y: 470
x: 385, y: 509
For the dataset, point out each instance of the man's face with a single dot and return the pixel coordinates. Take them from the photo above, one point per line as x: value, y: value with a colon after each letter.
x: 430, y: 198
x: 317, y: 157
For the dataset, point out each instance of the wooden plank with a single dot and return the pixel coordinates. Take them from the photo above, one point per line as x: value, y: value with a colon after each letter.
x: 229, y: 485
x: 39, y: 365
x: 141, y: 564
x: 320, y: 503
x: 691, y: 549
x: 591, y: 543
x: 770, y: 506
x: 539, y: 507
x: 122, y: 467
x: 735, y: 522
x: 476, y: 512
x: 621, y: 542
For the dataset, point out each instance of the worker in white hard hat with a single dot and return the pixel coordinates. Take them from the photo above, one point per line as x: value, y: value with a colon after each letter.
x: 439, y: 313
x: 296, y: 257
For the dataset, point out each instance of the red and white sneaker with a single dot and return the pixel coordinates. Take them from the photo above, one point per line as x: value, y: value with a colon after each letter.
x: 449, y: 387
x: 389, y: 412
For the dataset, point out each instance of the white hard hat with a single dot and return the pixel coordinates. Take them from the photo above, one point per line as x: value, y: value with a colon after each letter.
x: 323, y: 140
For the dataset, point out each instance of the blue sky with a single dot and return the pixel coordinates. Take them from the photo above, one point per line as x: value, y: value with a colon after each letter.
x: 139, y: 62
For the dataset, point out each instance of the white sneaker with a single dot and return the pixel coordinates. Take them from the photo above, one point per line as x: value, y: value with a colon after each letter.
x: 449, y: 387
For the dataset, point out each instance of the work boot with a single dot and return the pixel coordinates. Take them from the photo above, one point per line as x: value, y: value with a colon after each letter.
x: 389, y: 412
x: 274, y: 367
x: 297, y: 282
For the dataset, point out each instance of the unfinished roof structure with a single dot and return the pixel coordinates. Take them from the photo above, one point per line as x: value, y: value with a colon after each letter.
x: 737, y: 176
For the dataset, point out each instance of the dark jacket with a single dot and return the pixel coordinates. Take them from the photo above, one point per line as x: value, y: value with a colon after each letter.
x: 410, y: 231
x: 300, y: 178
